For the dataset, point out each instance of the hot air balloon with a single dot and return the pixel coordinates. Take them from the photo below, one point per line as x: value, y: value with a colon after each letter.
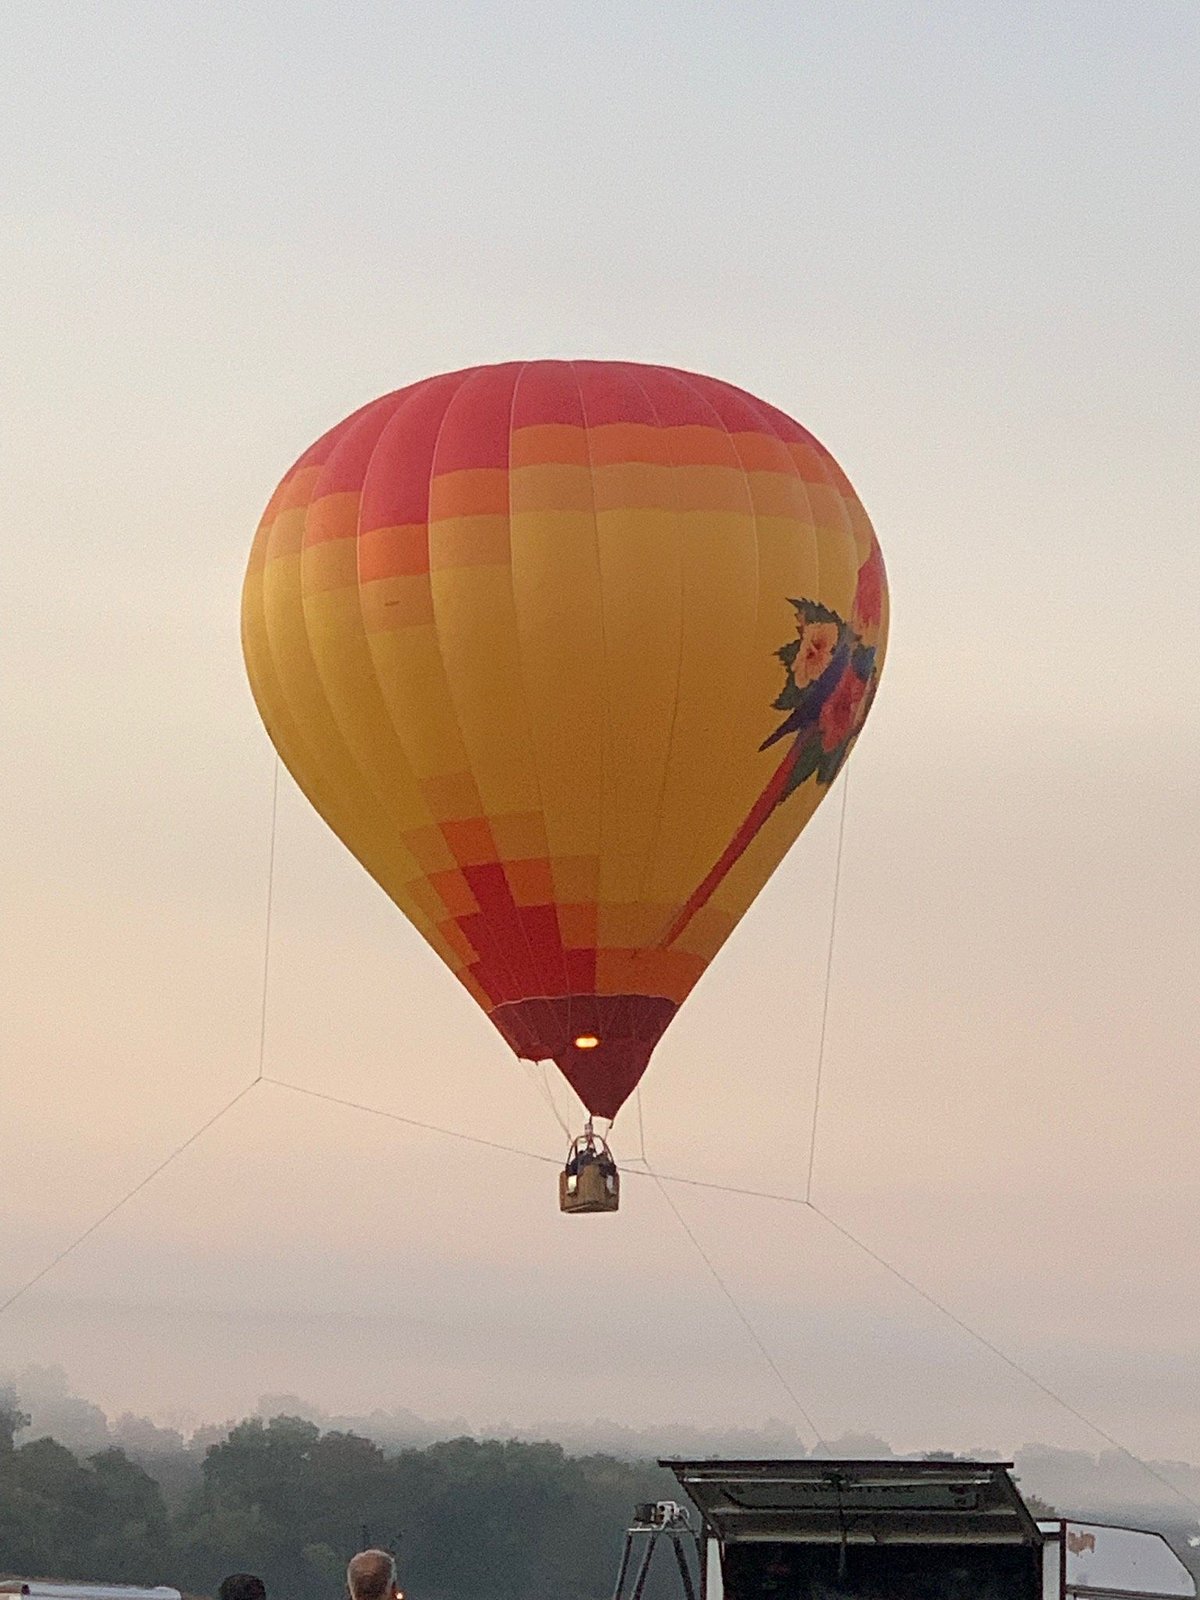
x: 567, y: 654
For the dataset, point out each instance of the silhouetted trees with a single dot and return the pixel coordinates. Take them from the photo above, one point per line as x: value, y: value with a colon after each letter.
x: 470, y: 1519
x: 71, y: 1518
x: 12, y: 1419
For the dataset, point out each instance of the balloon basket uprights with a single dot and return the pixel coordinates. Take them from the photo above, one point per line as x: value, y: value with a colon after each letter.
x: 590, y: 1181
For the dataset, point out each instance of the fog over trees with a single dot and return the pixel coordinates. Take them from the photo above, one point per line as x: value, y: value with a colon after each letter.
x: 292, y: 1491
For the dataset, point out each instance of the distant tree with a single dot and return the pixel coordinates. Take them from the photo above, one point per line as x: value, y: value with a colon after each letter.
x: 46, y: 1469
x: 138, y: 1437
x: 60, y: 1515
x: 854, y: 1446
x: 262, y: 1463
x: 328, y: 1565
x: 12, y: 1418
x: 1040, y: 1510
x: 130, y: 1494
x: 133, y: 1542
x: 57, y: 1413
x: 470, y: 1519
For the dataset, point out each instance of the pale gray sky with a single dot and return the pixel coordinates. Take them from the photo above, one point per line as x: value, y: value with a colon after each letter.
x: 959, y: 243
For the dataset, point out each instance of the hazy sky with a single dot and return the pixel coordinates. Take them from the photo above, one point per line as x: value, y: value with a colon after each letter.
x: 959, y: 242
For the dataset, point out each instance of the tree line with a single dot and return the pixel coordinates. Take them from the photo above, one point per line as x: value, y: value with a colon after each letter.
x: 468, y: 1518
x: 292, y: 1500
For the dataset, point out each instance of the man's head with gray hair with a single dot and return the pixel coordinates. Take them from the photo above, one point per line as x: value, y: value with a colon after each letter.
x: 371, y: 1575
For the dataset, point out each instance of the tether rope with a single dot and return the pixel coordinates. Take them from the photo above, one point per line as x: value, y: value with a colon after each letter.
x: 660, y: 1179
x: 833, y: 914
x: 413, y: 1122
x: 162, y: 1166
x: 1002, y: 1355
x: 804, y: 1202
x: 729, y: 1295
x: 266, y: 968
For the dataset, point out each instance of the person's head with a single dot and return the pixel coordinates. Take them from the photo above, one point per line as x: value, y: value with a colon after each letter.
x: 242, y: 1586
x: 371, y: 1575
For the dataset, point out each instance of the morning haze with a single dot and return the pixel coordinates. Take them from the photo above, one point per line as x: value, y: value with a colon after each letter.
x: 952, y: 241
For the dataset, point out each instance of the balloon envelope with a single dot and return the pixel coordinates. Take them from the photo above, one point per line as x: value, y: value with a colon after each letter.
x: 567, y: 654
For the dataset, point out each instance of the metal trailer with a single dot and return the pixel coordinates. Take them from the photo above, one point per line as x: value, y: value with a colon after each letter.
x: 897, y: 1530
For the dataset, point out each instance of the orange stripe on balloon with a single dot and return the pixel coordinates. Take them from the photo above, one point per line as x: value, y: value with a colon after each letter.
x: 762, y: 452
x: 332, y: 516
x: 547, y: 444
x: 688, y: 446
x: 397, y: 552
x: 476, y: 492
x: 297, y: 491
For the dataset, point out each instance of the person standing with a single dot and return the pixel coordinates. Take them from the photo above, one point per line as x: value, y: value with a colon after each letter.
x: 242, y: 1586
x: 371, y: 1575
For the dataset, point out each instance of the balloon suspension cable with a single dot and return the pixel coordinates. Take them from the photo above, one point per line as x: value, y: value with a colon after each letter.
x: 266, y: 965
x: 833, y: 917
x: 738, y: 1310
x: 535, y: 1071
x: 641, y: 1155
x: 551, y: 1100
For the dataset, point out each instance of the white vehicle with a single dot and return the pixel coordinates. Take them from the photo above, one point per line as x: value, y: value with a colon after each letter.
x: 906, y: 1530
x: 47, y: 1589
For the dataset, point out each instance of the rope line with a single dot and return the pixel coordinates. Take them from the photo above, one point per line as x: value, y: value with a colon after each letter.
x: 833, y: 912
x: 943, y: 1310
x: 125, y: 1199
x: 266, y: 970
x: 741, y: 1315
x: 539, y: 1085
x: 721, y: 1188
x: 661, y: 1180
x: 552, y: 1100
x: 1001, y: 1355
x: 413, y: 1122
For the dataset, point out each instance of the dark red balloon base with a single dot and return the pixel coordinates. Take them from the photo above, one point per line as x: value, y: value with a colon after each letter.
x: 626, y: 1028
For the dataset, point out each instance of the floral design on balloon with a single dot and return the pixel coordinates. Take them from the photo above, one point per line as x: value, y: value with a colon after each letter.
x: 831, y: 678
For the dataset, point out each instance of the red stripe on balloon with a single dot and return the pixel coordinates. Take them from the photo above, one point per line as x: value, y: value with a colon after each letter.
x: 737, y: 846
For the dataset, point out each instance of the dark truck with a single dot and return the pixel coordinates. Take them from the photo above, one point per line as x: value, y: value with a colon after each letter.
x: 893, y: 1530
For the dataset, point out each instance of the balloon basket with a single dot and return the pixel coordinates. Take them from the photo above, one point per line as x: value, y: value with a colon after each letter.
x: 590, y: 1181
